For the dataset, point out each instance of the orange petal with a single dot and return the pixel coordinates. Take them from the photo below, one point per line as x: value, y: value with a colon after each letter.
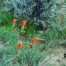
x: 35, y: 41
x: 24, y: 22
x: 19, y: 45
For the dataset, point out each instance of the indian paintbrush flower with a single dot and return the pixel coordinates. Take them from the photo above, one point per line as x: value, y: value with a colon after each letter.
x: 19, y: 45
x: 24, y: 22
x: 35, y: 41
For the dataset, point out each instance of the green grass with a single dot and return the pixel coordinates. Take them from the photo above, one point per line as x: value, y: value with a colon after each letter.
x: 9, y: 53
x: 32, y: 55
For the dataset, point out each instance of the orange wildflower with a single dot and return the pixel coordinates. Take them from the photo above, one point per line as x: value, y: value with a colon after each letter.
x: 35, y: 41
x: 19, y: 45
x: 24, y: 22
x: 28, y: 47
x: 14, y: 21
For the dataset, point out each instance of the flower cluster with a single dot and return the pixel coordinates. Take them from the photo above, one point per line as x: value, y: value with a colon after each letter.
x: 23, y: 24
x: 35, y: 42
x: 19, y: 45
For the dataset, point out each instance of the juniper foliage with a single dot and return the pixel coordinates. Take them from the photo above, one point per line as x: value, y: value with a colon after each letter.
x: 35, y: 10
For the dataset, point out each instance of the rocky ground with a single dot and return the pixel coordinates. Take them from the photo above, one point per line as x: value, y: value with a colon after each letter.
x: 56, y: 58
